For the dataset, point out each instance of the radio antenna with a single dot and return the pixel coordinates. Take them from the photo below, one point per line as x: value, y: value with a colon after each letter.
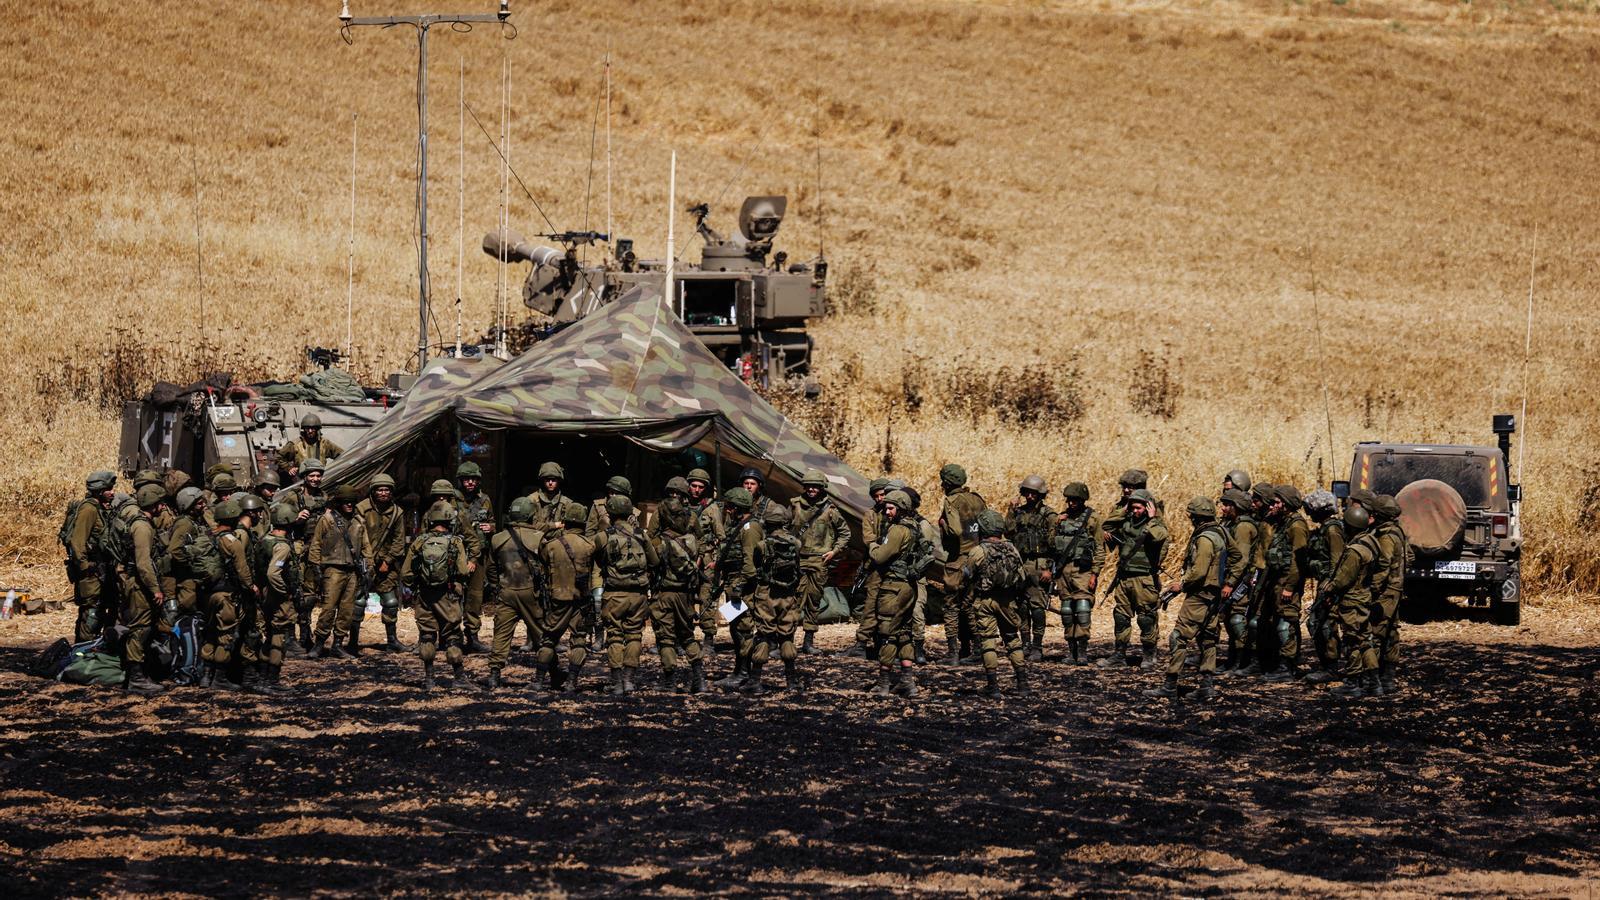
x: 609, y: 245
x: 199, y: 275
x: 1322, y: 376
x: 461, y: 192
x: 350, y: 251
x: 1527, y: 353
x: 423, y: 24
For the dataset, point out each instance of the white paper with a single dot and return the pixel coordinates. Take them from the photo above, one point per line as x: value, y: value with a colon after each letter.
x: 730, y: 611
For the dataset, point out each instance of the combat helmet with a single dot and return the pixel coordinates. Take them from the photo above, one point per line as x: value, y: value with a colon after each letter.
x: 1236, y: 498
x: 552, y: 470
x: 149, y: 496
x: 677, y: 484
x: 469, y: 469
x: 1356, y: 518
x: 440, y: 514
x: 346, y: 493
x: 310, y: 420
x: 100, y: 481
x: 380, y: 480
x: 1034, y: 484
x: 617, y: 484
x: 147, y: 476
x: 900, y: 499
x: 753, y: 472
x: 1385, y: 508
x: 739, y: 498
x: 1134, y: 478
x: 520, y: 510
x: 227, y: 512
x: 187, y: 497
x: 441, y: 487
x: 249, y: 504
x: 1202, y: 508
x: 952, y: 476
x: 574, y: 513
x: 1076, y: 490
x: 814, y: 478
x: 618, y: 506
x: 283, y: 515
x: 1239, y: 478
x: 312, y: 464
x: 269, y: 478
x: 223, y: 483
x: 1289, y: 496
x: 700, y: 475
x: 991, y: 524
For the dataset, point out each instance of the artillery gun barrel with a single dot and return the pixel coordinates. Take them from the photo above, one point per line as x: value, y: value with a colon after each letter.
x: 509, y: 246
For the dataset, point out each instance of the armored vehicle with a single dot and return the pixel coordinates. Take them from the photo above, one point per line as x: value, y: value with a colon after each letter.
x: 1460, y: 514
x: 745, y: 302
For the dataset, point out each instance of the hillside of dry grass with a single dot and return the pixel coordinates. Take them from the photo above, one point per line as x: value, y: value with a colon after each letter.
x: 1113, y: 214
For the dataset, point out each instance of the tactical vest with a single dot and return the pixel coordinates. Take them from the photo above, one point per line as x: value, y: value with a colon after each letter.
x: 1000, y: 572
x: 1031, y: 531
x: 517, y: 568
x: 1392, y: 581
x: 200, y: 557
x: 1219, y: 536
x: 918, y: 554
x: 1073, y: 543
x: 627, y: 564
x: 1280, y: 552
x: 1134, y: 553
x: 261, y: 559
x: 680, y: 560
x: 1319, y: 551
x: 69, y: 522
x: 780, y: 562
x: 436, y: 559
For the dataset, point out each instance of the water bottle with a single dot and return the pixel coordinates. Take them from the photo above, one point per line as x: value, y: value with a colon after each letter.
x: 10, y: 604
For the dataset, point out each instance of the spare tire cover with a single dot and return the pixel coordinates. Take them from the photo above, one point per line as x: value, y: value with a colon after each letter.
x: 1432, y: 514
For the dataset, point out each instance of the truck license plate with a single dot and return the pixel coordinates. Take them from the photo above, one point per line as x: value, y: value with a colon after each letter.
x: 1462, y: 570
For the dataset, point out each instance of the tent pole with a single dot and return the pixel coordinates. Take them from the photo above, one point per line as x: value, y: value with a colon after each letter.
x: 716, y: 471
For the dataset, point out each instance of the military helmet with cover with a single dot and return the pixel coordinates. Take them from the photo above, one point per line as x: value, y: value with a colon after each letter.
x: 283, y: 515
x: 187, y: 497
x: 380, y: 480
x: 1034, y: 484
x: 1143, y: 496
x: 952, y: 476
x: 1321, y: 504
x: 223, y: 483
x: 147, y: 476
x: 1385, y: 508
x: 739, y: 498
x: 100, y: 481
x: 574, y: 513
x: 618, y: 506
x: 552, y: 470
x: 1202, y: 508
x: 1236, y: 498
x: 440, y: 514
x: 150, y: 495
x: 700, y: 475
x: 469, y: 469
x: 991, y: 524
x: 1356, y: 518
x: 1289, y: 496
x: 814, y: 478
x: 1134, y: 478
x: 899, y: 498
x: 677, y: 484
x: 312, y: 464
x: 617, y: 484
x: 1076, y: 490
x: 227, y: 512
x: 520, y: 510
x: 878, y: 484
x: 441, y: 487
x: 346, y: 493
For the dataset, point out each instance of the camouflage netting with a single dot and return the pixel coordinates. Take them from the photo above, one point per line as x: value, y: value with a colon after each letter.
x: 631, y: 369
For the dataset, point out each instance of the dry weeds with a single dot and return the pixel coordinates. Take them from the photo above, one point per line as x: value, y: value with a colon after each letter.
x: 1057, y: 190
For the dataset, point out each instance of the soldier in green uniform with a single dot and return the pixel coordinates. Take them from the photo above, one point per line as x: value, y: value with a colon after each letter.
x: 568, y: 560
x: 626, y: 560
x: 774, y: 609
x: 184, y: 576
x: 934, y: 571
x: 1205, y: 569
x: 436, y: 568
x: 228, y: 600
x: 516, y: 581
x: 293, y: 455
x: 753, y: 481
x: 737, y: 578
x: 82, y: 529
x: 251, y: 527
x: 595, y: 529
x: 873, y: 528
x: 266, y: 487
x: 1130, y: 481
x: 897, y: 557
x: 385, y: 524
x: 1140, y: 540
x: 1286, y: 578
x: 824, y: 534
x: 308, y: 500
x: 278, y: 574
x: 672, y: 608
x: 708, y: 530
x: 1324, y: 546
x: 133, y: 552
x: 996, y: 574
x: 548, y: 501
x: 163, y: 518
x: 1029, y: 522
x: 1243, y: 532
x: 1078, y: 557
x: 1351, y: 588
x: 958, y: 531
x: 252, y: 516
x: 1394, y: 557
x: 340, y: 552
x: 1238, y: 480
x: 1258, y: 598
x: 477, y: 515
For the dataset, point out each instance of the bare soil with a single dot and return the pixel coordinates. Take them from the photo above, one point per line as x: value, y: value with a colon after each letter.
x: 1478, y: 780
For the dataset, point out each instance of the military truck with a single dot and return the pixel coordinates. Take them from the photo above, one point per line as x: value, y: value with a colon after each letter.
x: 745, y: 302
x: 1459, y: 511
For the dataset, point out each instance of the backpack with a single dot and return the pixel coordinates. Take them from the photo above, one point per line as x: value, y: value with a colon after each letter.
x: 1001, y: 569
x: 261, y: 558
x: 91, y: 663
x: 680, y: 559
x: 49, y: 663
x: 1073, y: 544
x: 202, y: 556
x: 780, y: 556
x: 913, y: 562
x: 116, y: 545
x: 70, y: 521
x: 625, y: 555
x: 436, y: 559
x: 183, y: 650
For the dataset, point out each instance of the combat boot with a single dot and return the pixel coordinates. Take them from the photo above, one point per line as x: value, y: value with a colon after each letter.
x: 808, y: 646
x: 697, y: 677
x: 920, y: 654
x: 306, y: 639
x: 1147, y: 658
x: 791, y: 678
x: 314, y: 650
x: 1351, y: 688
x: 1286, y: 671
x: 1036, y: 649
x: 427, y: 676
x: 1253, y: 669
x: 753, y: 685
x: 493, y: 683
x: 1023, y: 687
x: 857, y: 650
x: 338, y: 650
x: 741, y: 668
x: 1387, y: 683
x: 354, y: 645
x: 615, y: 688
x: 223, y: 682
x: 952, y: 654
x: 627, y: 679
x: 881, y: 689
x: 474, y: 645
x: 991, y: 684
x: 907, y: 684
x: 1072, y: 652
x: 292, y: 648
x: 458, y: 675
x: 1168, y: 688
x: 1118, y: 654
x: 1208, y: 687
x: 393, y: 644
x: 571, y: 684
x: 558, y: 676
x: 1321, y: 676
x: 678, y: 679
x: 139, y: 683
x: 275, y: 680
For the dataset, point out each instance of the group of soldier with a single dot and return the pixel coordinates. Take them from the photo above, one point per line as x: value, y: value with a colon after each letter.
x: 249, y: 567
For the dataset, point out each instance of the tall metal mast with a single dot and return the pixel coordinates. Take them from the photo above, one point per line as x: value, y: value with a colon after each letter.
x: 422, y: 24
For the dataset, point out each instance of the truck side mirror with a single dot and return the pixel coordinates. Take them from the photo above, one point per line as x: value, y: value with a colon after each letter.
x: 1341, y: 490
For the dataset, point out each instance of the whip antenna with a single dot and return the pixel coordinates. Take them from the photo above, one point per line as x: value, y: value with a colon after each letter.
x: 350, y: 251
x: 1322, y: 376
x: 199, y: 275
x: 1527, y: 352
x: 461, y: 192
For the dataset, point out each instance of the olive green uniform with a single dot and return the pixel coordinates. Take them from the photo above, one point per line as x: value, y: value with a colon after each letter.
x: 775, y: 611
x: 337, y: 545
x: 998, y: 613
x: 894, y: 594
x: 1029, y: 528
x: 1286, y: 579
x: 934, y: 572
x: 627, y: 582
x: 958, y: 531
x: 1351, y: 585
x: 823, y: 533
x: 736, y: 568
x: 386, y: 533
x: 85, y: 529
x: 140, y: 589
x: 1079, y: 556
x: 181, y: 581
x: 292, y: 455
x: 873, y: 528
x: 225, y: 607
x: 1199, y: 621
x: 709, y: 529
x: 1324, y: 546
x: 477, y: 513
x: 672, y: 606
x: 438, y: 606
x: 516, y: 581
x: 568, y: 562
x: 311, y: 503
x: 278, y: 574
x: 1246, y: 535
x: 1136, y: 591
x: 1393, y: 556
x: 547, y: 509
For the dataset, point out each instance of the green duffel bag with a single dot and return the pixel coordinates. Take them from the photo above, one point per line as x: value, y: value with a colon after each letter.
x: 94, y: 667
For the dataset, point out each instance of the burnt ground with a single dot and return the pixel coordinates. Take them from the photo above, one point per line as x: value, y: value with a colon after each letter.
x: 1479, y: 779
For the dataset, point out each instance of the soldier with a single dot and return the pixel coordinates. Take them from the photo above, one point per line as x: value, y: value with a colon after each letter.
x: 1205, y: 568
x: 1324, y: 546
x: 477, y: 520
x: 824, y: 534
x: 599, y: 518
x: 1258, y: 642
x: 935, y: 570
x: 1029, y: 522
x: 753, y: 481
x: 1243, y: 531
x: 1140, y: 540
x: 386, y: 533
x: 248, y: 530
x: 1237, y: 480
x: 293, y: 455
x: 308, y: 500
x: 252, y: 516
x: 774, y: 610
x: 1393, y: 558
x: 1130, y: 481
x: 82, y: 529
x: 133, y: 552
x: 1078, y: 559
x: 708, y: 530
x: 226, y: 603
x: 516, y: 581
x: 1286, y: 578
x: 626, y: 560
x: 873, y: 528
x: 266, y: 487
x: 194, y: 564
x: 1351, y: 589
x: 672, y: 608
x: 567, y: 556
x: 897, y: 557
x: 277, y: 573
x: 340, y: 552
x: 737, y: 578
x: 548, y: 501
x: 163, y: 518
x: 958, y: 530
x: 995, y: 572
x: 435, y: 568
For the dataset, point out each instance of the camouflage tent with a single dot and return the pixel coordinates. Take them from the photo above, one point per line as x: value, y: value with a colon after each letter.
x: 630, y: 369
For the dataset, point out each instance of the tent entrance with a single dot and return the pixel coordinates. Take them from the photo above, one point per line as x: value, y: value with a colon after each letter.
x: 588, y: 461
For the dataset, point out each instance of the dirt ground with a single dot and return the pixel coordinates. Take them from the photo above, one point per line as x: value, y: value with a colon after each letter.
x: 1478, y: 780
